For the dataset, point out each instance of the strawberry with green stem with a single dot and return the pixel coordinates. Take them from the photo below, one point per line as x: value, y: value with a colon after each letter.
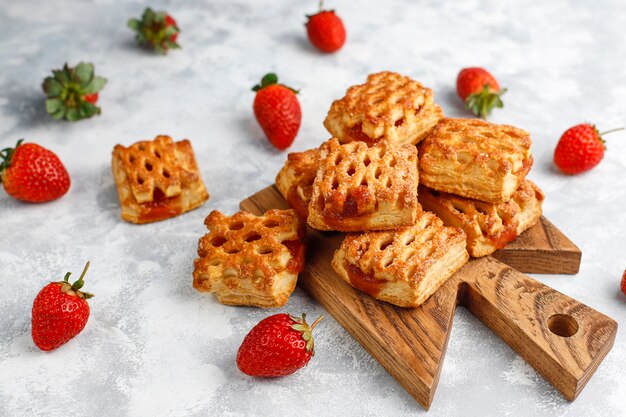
x: 479, y: 90
x: 72, y: 92
x: 278, y: 345
x: 156, y: 30
x: 325, y: 30
x: 32, y: 173
x: 580, y: 148
x: 277, y: 109
x: 60, y: 312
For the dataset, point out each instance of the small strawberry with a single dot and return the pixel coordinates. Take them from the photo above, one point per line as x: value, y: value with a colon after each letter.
x: 277, y: 110
x: 580, y: 148
x: 156, y: 30
x: 325, y: 30
x: 32, y: 173
x: 72, y: 92
x: 60, y: 312
x: 479, y: 90
x: 624, y: 282
x: 278, y: 345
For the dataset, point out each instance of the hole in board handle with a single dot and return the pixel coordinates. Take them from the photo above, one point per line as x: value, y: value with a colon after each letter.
x: 563, y: 325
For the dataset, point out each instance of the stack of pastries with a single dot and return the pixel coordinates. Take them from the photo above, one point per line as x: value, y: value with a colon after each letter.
x: 416, y: 192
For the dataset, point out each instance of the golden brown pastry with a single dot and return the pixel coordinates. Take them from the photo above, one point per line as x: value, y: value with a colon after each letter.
x: 488, y: 226
x: 250, y: 260
x: 388, y: 106
x: 359, y: 188
x: 295, y: 180
x: 475, y: 159
x: 157, y: 179
x: 403, y: 266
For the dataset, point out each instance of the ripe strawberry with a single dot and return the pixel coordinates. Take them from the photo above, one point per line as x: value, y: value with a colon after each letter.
x: 32, y: 173
x: 580, y: 148
x: 325, y: 30
x: 479, y: 90
x: 278, y: 345
x: 156, y: 30
x: 60, y: 312
x: 624, y: 282
x: 277, y: 110
x: 72, y: 92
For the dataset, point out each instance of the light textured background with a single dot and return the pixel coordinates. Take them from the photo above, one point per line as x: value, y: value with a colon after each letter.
x: 153, y: 345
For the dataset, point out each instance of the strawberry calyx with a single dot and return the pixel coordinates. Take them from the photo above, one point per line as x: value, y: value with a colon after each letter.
x: 67, y: 92
x: 271, y: 79
x: 157, y: 30
x: 482, y: 102
x: 320, y: 9
x: 606, y: 132
x: 6, y: 155
x: 303, y: 327
x: 75, y: 288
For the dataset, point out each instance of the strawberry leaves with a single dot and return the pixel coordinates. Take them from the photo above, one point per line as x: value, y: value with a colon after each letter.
x: 267, y: 80
x: 302, y: 326
x: 66, y: 91
x: 156, y: 30
x: 271, y: 79
x: 77, y: 285
x: 484, y: 101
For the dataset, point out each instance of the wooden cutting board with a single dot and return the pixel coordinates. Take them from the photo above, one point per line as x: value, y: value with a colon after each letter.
x: 562, y: 339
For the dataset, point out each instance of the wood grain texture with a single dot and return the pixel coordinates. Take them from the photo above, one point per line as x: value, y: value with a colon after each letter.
x: 542, y: 249
x: 561, y: 338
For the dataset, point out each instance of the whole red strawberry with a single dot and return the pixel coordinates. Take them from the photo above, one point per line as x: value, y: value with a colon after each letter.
x: 624, y: 282
x: 32, y: 173
x: 156, y: 30
x: 580, y: 148
x: 325, y: 30
x: 60, y: 312
x: 279, y: 345
x: 277, y: 110
x: 479, y: 90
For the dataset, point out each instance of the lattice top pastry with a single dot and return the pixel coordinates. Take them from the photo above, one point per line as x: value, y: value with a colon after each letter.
x: 250, y: 260
x: 388, y: 106
x: 403, y: 266
x: 295, y: 180
x: 489, y: 226
x: 359, y: 188
x: 475, y: 159
x: 157, y: 179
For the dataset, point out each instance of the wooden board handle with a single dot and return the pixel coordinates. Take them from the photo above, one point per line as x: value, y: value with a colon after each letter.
x: 563, y: 339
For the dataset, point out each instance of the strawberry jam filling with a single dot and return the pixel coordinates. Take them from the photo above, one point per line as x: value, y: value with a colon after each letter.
x: 362, y: 281
x: 297, y: 249
x: 352, y: 206
x: 356, y: 134
x: 505, y: 237
x: 296, y: 203
x: 161, y: 207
